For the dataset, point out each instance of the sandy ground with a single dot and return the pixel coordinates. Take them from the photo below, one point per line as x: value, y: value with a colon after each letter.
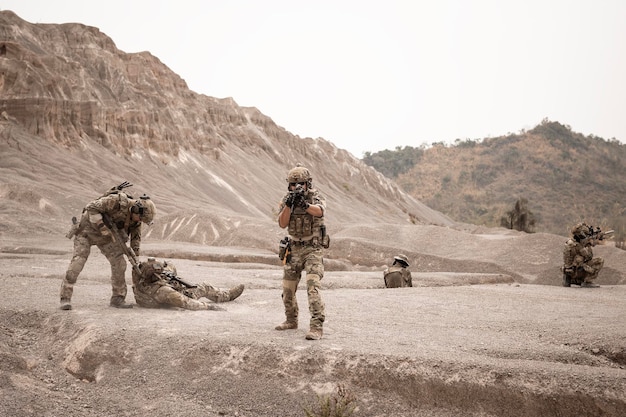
x: 456, y: 344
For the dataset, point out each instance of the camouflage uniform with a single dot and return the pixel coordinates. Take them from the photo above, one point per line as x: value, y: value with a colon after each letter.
x: 579, y: 265
x: 92, y: 231
x: 154, y: 288
x: 398, y: 274
x: 308, y: 237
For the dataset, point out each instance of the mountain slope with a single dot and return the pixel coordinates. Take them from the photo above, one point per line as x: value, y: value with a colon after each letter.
x: 565, y: 176
x: 93, y: 116
x: 78, y: 116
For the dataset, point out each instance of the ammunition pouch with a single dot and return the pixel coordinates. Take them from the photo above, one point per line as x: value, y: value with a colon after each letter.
x: 325, y: 238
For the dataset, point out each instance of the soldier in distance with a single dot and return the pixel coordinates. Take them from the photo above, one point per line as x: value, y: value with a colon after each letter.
x: 579, y: 265
x: 398, y: 274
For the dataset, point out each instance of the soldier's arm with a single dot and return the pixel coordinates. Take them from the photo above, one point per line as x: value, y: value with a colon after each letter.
x: 317, y: 207
x: 135, y: 239
x: 95, y: 209
x: 283, y: 216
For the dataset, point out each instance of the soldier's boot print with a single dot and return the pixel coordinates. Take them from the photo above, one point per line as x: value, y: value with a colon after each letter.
x: 291, y: 306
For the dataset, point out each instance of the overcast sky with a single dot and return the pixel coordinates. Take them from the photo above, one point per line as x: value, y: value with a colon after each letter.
x: 374, y: 75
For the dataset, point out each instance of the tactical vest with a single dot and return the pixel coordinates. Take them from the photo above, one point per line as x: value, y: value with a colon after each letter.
x: 304, y: 226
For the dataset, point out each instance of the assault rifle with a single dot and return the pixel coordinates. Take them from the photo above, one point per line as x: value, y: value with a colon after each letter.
x: 296, y: 196
x: 128, y: 251
x: 596, y: 233
x: 173, y: 277
x: 132, y: 258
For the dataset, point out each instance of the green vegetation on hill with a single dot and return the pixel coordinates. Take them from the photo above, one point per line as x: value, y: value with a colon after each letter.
x: 564, y: 176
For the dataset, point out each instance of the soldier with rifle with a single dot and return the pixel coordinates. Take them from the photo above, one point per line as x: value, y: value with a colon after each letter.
x: 301, y: 212
x: 108, y: 222
x: 157, y: 284
x: 579, y: 265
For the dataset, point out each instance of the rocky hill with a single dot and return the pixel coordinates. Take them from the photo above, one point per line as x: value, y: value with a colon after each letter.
x: 565, y: 176
x: 472, y: 338
x: 77, y: 116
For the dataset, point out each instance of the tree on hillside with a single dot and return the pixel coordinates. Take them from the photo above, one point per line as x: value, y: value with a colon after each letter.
x: 519, y: 218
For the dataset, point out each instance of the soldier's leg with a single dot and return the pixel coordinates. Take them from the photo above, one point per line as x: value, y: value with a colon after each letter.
x: 291, y: 277
x: 170, y: 297
x: 116, y: 258
x: 314, y: 275
x: 216, y: 295
x: 592, y: 269
x: 567, y: 279
x: 82, y: 248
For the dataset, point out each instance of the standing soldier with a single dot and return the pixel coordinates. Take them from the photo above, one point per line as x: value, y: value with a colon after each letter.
x: 114, y: 209
x: 398, y: 274
x: 302, y: 211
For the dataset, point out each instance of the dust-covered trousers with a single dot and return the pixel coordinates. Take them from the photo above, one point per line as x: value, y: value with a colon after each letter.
x: 310, y: 260
x: 83, y: 241
x: 587, y: 272
x: 161, y: 294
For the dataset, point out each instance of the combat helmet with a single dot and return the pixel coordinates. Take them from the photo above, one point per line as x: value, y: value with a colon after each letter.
x: 580, y: 231
x: 401, y: 259
x: 299, y: 174
x: 145, y: 208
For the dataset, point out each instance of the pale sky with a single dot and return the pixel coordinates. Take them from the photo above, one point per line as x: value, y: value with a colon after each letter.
x: 374, y: 75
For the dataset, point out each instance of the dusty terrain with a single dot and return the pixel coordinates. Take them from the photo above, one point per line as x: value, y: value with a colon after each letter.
x: 457, y: 344
x: 486, y: 331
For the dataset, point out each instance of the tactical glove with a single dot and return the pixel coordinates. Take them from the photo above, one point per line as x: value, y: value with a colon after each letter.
x: 290, y: 200
x: 303, y: 204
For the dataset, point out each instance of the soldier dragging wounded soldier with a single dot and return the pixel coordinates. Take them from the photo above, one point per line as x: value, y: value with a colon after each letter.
x: 109, y: 222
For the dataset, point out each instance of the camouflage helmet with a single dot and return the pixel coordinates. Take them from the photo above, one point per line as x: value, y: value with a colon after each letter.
x: 401, y: 259
x: 145, y: 208
x: 580, y: 231
x: 299, y: 174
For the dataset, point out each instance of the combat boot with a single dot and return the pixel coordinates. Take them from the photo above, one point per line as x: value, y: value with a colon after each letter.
x: 287, y: 325
x: 119, y: 302
x: 567, y: 280
x: 235, y: 292
x: 65, y: 304
x: 315, y: 333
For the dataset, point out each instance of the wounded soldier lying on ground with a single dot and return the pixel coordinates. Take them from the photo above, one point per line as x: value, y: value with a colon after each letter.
x: 159, y: 286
